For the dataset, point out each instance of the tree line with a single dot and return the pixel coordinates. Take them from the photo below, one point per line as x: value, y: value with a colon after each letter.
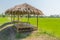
x: 51, y: 16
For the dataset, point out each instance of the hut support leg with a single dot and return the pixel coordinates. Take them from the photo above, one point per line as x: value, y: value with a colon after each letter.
x: 37, y: 21
x: 18, y: 17
x: 14, y: 18
x: 28, y: 17
x: 11, y: 18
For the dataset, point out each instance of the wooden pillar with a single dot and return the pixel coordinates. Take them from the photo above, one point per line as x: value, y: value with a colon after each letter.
x: 18, y: 17
x: 28, y: 18
x: 14, y: 18
x: 18, y: 22
x: 11, y: 17
x: 37, y: 21
x: 14, y: 15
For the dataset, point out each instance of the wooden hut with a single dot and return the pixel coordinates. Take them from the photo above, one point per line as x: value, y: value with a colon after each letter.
x: 23, y: 9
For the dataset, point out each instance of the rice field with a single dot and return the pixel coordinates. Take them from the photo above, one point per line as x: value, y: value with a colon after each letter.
x: 47, y: 25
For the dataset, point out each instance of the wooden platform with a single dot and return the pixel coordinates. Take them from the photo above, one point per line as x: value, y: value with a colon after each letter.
x: 25, y: 27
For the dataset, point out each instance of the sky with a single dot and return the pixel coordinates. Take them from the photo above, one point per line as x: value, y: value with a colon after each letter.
x: 48, y: 7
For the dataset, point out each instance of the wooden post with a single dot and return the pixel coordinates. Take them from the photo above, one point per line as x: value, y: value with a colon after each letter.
x: 18, y: 17
x: 28, y: 18
x: 11, y: 17
x: 17, y: 23
x: 14, y: 17
x: 37, y: 21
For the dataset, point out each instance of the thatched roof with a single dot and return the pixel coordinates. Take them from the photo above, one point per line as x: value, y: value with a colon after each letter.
x: 23, y: 9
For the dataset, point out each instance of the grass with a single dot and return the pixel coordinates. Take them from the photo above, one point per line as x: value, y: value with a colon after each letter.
x: 46, y: 25
x: 3, y: 20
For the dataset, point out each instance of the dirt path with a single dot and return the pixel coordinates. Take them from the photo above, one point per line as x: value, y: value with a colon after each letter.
x: 41, y: 37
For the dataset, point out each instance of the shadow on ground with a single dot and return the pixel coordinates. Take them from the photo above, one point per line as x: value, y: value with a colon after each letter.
x: 11, y: 34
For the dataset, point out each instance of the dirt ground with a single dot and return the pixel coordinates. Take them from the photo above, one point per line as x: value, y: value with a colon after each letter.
x: 41, y: 37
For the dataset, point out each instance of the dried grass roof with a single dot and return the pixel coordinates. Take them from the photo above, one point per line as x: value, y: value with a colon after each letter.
x: 23, y: 9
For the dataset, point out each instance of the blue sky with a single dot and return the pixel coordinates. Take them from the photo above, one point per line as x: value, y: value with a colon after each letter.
x: 48, y: 7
